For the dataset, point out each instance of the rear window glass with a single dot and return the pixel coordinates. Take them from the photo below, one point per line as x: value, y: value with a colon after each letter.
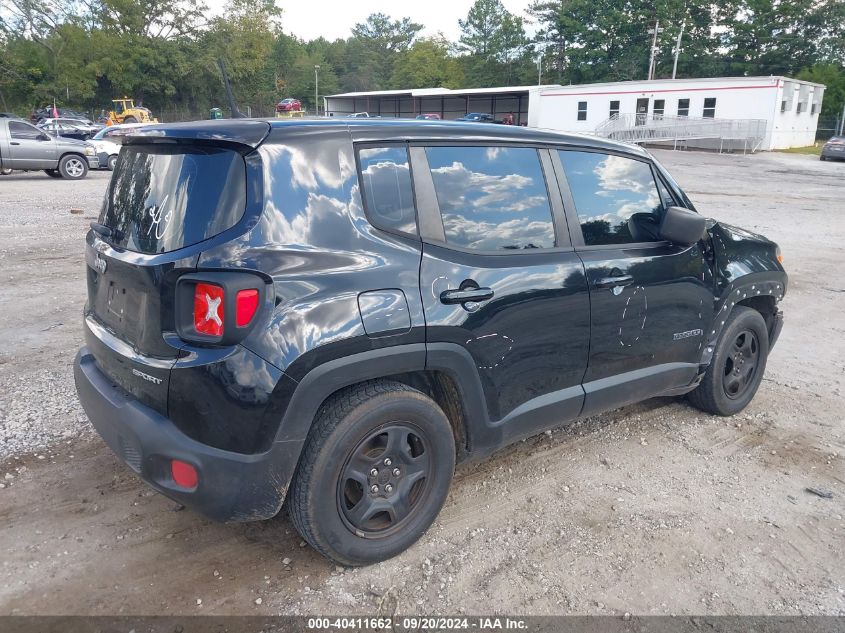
x: 162, y: 198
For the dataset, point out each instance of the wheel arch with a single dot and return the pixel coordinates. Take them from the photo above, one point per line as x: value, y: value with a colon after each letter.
x: 450, y: 379
x: 759, y: 291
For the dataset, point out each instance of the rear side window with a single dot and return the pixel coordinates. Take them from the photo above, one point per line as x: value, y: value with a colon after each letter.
x: 162, y: 198
x: 616, y: 198
x: 386, y: 185
x: 492, y: 198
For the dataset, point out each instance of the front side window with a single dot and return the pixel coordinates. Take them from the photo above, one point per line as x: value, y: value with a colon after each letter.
x: 582, y: 110
x: 616, y: 198
x: 492, y: 198
x: 386, y: 184
x: 709, y: 107
x: 683, y: 107
x: 24, y: 131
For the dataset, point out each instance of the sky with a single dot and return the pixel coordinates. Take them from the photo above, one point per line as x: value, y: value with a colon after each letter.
x: 334, y: 19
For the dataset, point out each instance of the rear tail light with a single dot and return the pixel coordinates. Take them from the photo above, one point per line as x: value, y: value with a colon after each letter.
x: 219, y: 307
x: 184, y: 475
x: 246, y: 304
x: 208, y: 309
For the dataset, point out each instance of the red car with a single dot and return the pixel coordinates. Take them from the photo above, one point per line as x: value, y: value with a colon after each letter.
x: 289, y: 105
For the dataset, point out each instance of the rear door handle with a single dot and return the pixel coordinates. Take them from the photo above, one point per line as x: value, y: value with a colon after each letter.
x: 614, y: 282
x: 467, y: 295
x: 14, y: 143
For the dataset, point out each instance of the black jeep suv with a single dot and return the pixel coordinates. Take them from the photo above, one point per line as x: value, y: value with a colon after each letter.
x: 332, y: 313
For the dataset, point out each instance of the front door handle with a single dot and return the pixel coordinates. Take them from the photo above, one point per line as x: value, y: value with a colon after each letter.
x: 14, y: 143
x: 466, y: 295
x: 614, y: 282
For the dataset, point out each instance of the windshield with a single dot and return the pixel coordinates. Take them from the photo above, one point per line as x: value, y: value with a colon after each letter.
x: 162, y: 198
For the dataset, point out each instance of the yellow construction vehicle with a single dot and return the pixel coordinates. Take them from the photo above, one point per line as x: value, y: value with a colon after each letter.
x: 125, y: 111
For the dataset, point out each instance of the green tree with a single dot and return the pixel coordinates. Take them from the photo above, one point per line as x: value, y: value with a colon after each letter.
x: 382, y: 40
x: 427, y: 64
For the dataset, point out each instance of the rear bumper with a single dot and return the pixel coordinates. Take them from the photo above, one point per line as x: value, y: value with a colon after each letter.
x: 232, y: 486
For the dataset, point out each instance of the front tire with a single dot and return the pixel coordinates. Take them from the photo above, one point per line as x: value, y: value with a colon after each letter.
x: 130, y: 119
x: 73, y: 167
x: 374, y: 473
x: 112, y: 161
x: 737, y: 367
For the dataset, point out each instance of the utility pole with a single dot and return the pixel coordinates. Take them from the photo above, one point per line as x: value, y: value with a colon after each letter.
x: 651, y: 64
x: 317, y: 89
x: 842, y: 122
x: 678, y: 48
x: 539, y: 69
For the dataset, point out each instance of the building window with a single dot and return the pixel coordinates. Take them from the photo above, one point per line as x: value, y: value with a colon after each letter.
x: 659, y: 107
x: 709, y: 108
x: 492, y: 198
x: 614, y: 109
x: 814, y: 108
x: 683, y: 107
x: 801, y: 107
x: 582, y: 110
x: 783, y: 106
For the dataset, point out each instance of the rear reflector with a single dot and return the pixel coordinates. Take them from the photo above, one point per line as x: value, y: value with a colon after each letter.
x: 184, y: 474
x: 246, y: 304
x: 208, y: 309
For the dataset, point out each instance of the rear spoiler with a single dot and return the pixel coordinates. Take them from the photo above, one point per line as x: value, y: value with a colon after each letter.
x: 250, y: 133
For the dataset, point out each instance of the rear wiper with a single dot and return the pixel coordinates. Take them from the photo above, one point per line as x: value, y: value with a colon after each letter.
x: 106, y: 232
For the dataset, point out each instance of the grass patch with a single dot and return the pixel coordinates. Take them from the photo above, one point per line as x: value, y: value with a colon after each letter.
x: 814, y: 150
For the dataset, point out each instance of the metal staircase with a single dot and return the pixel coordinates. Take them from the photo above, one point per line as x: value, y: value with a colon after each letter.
x: 683, y: 132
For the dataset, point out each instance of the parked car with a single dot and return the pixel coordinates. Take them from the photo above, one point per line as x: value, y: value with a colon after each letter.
x: 107, y: 143
x: 23, y: 146
x: 9, y: 115
x: 360, y: 115
x: 333, y: 315
x: 289, y: 105
x: 478, y: 117
x: 834, y: 149
x: 80, y: 129
x: 429, y: 116
x: 47, y: 112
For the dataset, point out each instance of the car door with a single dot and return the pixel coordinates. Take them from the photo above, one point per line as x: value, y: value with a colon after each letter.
x: 29, y: 147
x: 500, y: 281
x: 651, y: 301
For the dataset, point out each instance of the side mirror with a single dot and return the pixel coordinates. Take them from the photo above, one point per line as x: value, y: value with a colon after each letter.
x: 682, y: 226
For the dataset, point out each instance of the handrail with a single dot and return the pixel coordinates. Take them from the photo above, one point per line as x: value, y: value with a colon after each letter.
x: 645, y: 128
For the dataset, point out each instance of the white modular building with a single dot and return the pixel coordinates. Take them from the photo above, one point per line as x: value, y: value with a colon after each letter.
x: 750, y: 113
x: 787, y: 108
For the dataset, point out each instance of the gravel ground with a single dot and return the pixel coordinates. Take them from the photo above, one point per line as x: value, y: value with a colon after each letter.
x: 652, y: 509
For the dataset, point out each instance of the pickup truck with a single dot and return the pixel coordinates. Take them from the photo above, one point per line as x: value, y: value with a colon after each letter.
x: 25, y: 147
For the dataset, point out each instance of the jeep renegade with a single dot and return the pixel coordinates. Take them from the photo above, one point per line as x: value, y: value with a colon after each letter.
x: 331, y: 314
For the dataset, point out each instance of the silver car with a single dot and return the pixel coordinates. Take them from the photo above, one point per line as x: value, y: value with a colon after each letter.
x: 25, y: 147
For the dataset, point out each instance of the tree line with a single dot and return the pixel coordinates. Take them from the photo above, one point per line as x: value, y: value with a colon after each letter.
x: 83, y: 53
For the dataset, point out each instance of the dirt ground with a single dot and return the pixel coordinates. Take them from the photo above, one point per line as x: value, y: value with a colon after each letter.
x: 652, y: 509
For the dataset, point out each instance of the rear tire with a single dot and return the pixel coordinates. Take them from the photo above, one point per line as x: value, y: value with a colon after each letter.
x: 73, y: 167
x: 5, y: 172
x: 53, y: 173
x: 374, y: 473
x: 822, y: 158
x: 112, y: 161
x: 737, y: 367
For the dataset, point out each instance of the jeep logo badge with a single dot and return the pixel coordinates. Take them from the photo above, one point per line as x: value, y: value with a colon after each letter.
x: 100, y: 265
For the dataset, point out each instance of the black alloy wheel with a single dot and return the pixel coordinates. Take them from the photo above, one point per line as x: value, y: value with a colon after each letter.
x: 384, y: 480
x: 741, y: 364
